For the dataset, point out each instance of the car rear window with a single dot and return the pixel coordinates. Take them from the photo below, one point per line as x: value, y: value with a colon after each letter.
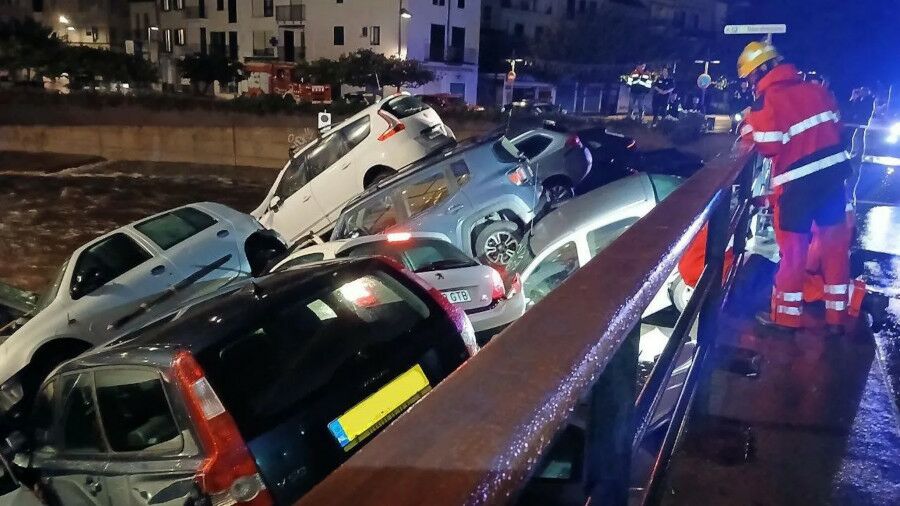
x: 307, y: 351
x: 505, y: 151
x: 174, y: 227
x: 417, y: 254
x: 372, y: 216
x: 534, y: 145
x: 664, y: 185
x: 404, y: 106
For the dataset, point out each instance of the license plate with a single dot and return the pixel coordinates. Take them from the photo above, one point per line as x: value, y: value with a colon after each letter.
x: 458, y: 296
x: 376, y: 410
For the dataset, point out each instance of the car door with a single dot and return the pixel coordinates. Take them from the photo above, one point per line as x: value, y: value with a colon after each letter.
x: 433, y: 202
x: 202, y: 249
x: 70, y: 454
x: 152, y: 459
x: 110, y: 279
x: 341, y: 167
x: 292, y: 208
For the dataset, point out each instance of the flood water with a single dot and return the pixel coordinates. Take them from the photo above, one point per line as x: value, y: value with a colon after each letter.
x: 46, y: 213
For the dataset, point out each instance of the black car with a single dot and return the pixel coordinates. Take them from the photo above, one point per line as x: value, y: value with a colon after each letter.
x: 251, y: 397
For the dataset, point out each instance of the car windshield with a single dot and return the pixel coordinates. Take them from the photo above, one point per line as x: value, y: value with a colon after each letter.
x: 52, y: 290
x: 417, y: 254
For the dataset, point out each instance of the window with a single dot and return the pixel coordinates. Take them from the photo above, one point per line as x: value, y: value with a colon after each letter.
x: 439, y: 2
x: 461, y: 171
x: 179, y: 37
x: 404, y: 106
x: 220, y: 5
x: 420, y: 196
x: 108, y: 259
x: 551, y: 272
x: 172, y: 228
x: 325, y: 154
x: 519, y: 30
x: 166, y: 5
x: 179, y: 4
x: 356, y: 132
x: 664, y: 185
x: 302, y: 259
x: 375, y: 38
x: 460, y: 4
x: 365, y: 31
x: 135, y: 412
x: 80, y: 428
x: 570, y: 8
x: 459, y: 90
x: 338, y: 35
x: 534, y: 145
x: 538, y: 32
x: 167, y: 36
x: 418, y: 254
x: 262, y: 45
x: 268, y: 9
x: 42, y: 417
x: 696, y: 21
x: 486, y: 13
x: 599, y: 238
x: 372, y: 217
x: 261, y: 8
x: 299, y: 347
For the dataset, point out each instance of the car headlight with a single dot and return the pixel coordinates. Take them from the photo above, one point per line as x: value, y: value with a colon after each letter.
x: 738, y: 117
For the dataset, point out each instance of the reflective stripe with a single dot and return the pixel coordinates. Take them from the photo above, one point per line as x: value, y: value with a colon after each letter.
x: 835, y: 305
x: 836, y: 289
x: 746, y: 130
x: 768, y: 136
x: 790, y: 310
x: 791, y: 296
x: 810, y: 122
x: 805, y: 170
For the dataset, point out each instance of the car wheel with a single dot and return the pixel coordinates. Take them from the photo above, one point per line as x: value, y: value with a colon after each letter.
x: 497, y: 243
x: 379, y: 176
x: 680, y: 294
x: 558, y: 191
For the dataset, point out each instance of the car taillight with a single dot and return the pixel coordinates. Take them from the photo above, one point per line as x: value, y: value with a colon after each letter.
x: 399, y: 236
x: 498, y: 290
x: 518, y: 176
x: 228, y: 474
x: 573, y: 141
x: 395, y: 126
x: 456, y: 315
x: 515, y: 286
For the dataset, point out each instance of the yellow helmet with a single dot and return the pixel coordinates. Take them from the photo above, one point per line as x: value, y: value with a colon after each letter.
x: 754, y: 55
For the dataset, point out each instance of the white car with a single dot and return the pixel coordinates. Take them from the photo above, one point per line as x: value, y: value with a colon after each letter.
x: 478, y: 289
x: 571, y: 235
x: 153, y: 264
x: 312, y: 188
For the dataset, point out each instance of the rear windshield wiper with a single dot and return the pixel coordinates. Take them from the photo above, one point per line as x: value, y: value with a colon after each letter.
x: 445, y: 264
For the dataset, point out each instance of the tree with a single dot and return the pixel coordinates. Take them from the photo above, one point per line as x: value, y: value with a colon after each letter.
x: 202, y: 70
x: 84, y: 64
x: 27, y: 45
x: 364, y: 68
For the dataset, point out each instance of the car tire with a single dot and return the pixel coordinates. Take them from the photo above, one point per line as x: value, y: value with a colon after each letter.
x: 378, y: 175
x: 496, y: 243
x: 680, y: 293
x: 558, y: 190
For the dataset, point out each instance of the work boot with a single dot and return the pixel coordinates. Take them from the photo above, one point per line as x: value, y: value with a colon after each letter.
x: 764, y: 319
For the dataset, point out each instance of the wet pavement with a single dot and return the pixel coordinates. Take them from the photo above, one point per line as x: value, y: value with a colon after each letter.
x: 48, y: 207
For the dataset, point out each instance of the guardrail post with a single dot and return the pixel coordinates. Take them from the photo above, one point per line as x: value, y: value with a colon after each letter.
x: 611, y: 426
x: 716, y: 244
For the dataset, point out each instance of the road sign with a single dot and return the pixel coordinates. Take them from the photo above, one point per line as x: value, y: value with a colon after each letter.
x: 703, y: 81
x: 754, y: 29
x: 324, y: 120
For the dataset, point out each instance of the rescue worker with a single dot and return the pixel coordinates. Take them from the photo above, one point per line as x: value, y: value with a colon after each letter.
x: 797, y: 125
x: 640, y: 82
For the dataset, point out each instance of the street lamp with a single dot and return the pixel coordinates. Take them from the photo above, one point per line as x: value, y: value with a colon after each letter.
x: 64, y: 20
x: 402, y: 13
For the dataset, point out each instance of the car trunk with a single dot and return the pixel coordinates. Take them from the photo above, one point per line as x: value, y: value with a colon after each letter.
x: 467, y: 287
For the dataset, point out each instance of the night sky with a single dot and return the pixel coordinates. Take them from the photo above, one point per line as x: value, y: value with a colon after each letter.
x: 853, y: 42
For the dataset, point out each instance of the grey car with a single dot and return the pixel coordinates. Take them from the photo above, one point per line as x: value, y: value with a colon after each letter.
x: 481, y: 194
x: 559, y: 159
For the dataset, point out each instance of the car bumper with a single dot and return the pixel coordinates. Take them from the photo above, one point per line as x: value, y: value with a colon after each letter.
x: 502, y: 313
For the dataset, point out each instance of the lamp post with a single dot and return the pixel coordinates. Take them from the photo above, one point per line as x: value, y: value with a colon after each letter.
x: 402, y: 13
x: 706, y: 64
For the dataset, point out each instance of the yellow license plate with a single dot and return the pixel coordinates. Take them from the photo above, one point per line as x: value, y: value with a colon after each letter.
x: 376, y: 410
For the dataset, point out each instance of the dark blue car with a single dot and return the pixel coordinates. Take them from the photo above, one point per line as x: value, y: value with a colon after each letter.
x: 251, y: 397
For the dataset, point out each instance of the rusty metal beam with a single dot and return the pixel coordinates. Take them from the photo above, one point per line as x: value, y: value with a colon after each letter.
x: 476, y: 438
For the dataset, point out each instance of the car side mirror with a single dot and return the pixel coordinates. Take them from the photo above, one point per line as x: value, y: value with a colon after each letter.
x: 86, y: 282
x: 275, y: 203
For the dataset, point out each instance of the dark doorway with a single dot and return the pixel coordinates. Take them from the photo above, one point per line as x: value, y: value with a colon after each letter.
x: 438, y: 43
x: 202, y: 40
x: 288, y: 38
x: 232, y: 45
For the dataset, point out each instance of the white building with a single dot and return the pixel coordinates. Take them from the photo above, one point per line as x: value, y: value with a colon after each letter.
x: 442, y: 34
x: 97, y: 23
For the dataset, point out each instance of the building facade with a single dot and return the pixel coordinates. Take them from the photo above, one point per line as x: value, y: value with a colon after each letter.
x: 442, y: 34
x: 102, y: 24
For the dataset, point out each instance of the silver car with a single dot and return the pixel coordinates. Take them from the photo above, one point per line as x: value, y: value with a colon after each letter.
x: 481, y: 194
x: 570, y: 236
x: 113, y: 280
x: 478, y: 289
x: 559, y: 159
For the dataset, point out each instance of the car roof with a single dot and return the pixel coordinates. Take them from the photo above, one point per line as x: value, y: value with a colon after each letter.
x: 585, y: 209
x: 337, y: 246
x: 206, y: 322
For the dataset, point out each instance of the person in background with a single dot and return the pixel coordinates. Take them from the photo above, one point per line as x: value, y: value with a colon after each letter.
x: 640, y: 83
x: 741, y: 99
x: 662, y: 90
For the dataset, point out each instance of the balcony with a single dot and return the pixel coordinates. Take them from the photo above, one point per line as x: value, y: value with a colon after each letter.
x: 299, y: 53
x: 264, y: 52
x: 453, y: 54
x: 288, y: 14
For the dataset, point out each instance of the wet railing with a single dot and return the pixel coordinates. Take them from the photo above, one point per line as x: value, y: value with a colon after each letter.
x: 480, y: 435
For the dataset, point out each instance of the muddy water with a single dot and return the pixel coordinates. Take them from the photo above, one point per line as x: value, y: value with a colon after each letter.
x: 46, y: 213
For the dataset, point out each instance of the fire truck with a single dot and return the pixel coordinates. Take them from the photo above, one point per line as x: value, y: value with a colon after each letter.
x: 276, y: 78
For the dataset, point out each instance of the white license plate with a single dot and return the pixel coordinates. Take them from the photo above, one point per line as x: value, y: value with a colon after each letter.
x: 458, y: 296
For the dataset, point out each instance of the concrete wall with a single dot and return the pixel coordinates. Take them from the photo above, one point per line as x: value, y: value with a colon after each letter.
x: 239, y: 146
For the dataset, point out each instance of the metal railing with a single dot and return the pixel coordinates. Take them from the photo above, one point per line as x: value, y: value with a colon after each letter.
x: 290, y: 13
x: 479, y: 436
x: 451, y: 54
